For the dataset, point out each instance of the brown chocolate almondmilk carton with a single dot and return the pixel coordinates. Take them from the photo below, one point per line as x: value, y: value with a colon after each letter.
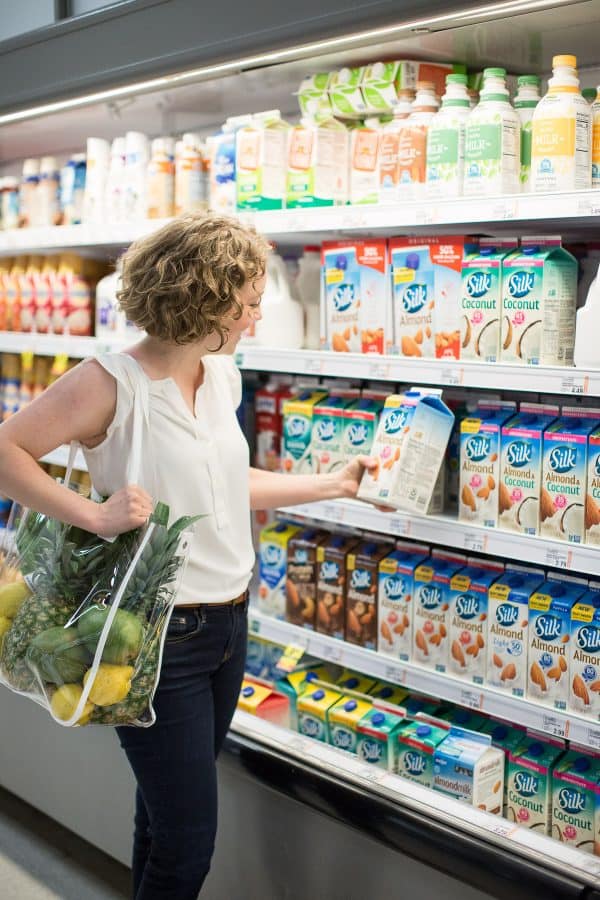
x: 331, y: 584
x: 361, y: 593
x: 301, y: 582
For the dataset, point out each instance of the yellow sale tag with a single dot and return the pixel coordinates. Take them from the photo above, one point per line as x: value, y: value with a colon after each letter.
x: 291, y: 657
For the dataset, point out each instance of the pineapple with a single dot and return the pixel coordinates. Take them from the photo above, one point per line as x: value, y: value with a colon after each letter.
x: 35, y: 615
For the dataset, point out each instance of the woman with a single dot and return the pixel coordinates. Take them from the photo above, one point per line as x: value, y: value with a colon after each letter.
x: 194, y: 286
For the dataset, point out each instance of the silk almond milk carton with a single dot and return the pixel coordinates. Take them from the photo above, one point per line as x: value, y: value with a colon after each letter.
x: 395, y: 599
x: 361, y: 593
x: 431, y: 624
x: 530, y: 766
x: 575, y: 794
x: 468, y: 615
x: 301, y: 582
x: 331, y: 585
x: 584, y: 664
x: 394, y: 425
x: 377, y: 739
x: 549, y: 637
x: 468, y: 768
x: 274, y: 540
x: 508, y: 739
x: 508, y: 628
x: 592, y: 497
x: 480, y: 445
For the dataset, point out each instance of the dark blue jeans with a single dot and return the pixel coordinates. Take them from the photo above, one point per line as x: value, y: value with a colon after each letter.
x: 174, y: 761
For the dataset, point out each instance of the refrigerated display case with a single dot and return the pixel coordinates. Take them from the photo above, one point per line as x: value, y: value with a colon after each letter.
x: 315, y: 821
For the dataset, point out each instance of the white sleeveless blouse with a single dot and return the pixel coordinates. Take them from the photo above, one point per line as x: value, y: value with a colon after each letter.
x: 197, y: 464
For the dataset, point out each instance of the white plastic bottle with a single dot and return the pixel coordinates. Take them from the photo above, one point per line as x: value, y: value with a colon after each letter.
x: 10, y: 202
x: 282, y: 322
x: 72, y: 189
x: 389, y: 145
x: 526, y: 100
x: 97, y: 161
x: 596, y: 141
x: 492, y: 141
x: 48, y: 192
x: 446, y: 141
x: 191, y: 175
x: 114, y: 193
x: 136, y: 166
x: 587, y: 348
x: 561, y: 133
x: 28, y: 193
x: 110, y: 321
x: 308, y: 283
x: 412, y: 150
x: 161, y: 179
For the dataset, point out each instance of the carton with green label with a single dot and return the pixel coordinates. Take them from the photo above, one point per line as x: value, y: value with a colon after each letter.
x: 417, y: 742
x: 377, y: 739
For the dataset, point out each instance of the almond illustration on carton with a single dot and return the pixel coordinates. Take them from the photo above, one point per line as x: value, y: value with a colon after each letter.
x: 443, y: 631
x: 595, y: 687
x: 409, y: 347
x: 435, y: 639
x: 497, y: 661
x: 339, y: 343
x: 353, y: 622
x: 580, y: 690
x: 538, y: 677
x: 554, y: 673
x: 508, y: 672
x: 483, y: 493
x: 387, y: 634
x: 592, y: 512
x: 309, y: 609
x: 480, y: 641
x: 292, y: 593
x: 562, y: 663
x: 399, y: 629
x: 491, y: 482
x: 504, y: 500
x: 546, y: 505
x: 468, y: 498
x: 473, y: 650
x: 458, y: 654
x: 421, y: 642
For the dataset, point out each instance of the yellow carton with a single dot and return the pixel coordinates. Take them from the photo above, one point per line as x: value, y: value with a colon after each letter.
x: 272, y: 568
x: 343, y: 720
x: 313, y: 707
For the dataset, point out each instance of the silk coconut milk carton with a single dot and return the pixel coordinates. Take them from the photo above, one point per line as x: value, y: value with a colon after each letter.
x: 564, y: 474
x: 481, y: 299
x: 468, y: 616
x: 480, y: 446
x: 539, y: 299
x: 395, y: 599
x: 529, y: 801
x: 575, y: 795
x: 327, y: 438
x: 359, y: 426
x: 521, y: 468
x: 584, y: 663
x: 431, y: 608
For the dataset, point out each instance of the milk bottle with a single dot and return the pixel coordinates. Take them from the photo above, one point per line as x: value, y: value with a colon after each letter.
x: 389, y: 146
x: 596, y: 142
x: 528, y: 97
x: 561, y: 133
x: 161, y: 179
x: 412, y: 150
x: 446, y: 141
x: 492, y: 141
x: 365, y: 141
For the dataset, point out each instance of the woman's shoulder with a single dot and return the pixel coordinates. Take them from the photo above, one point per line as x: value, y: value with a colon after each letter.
x: 222, y: 367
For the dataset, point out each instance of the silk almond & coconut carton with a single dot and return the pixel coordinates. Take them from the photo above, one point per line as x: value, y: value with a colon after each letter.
x: 359, y: 427
x: 530, y: 766
x: 575, y: 796
x: 521, y: 468
x: 508, y: 628
x: 395, y: 599
x: 343, y: 718
x: 298, y: 414
x: 592, y: 497
x: 549, y: 637
x: 468, y: 768
x: 468, y: 614
x: 481, y: 299
x: 431, y: 623
x: 480, y: 448
x: 584, y: 662
x: 362, y: 567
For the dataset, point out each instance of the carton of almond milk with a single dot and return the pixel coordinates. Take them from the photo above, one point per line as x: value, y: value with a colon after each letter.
x: 508, y: 628
x: 549, y: 636
x: 592, y: 497
x: 584, y: 662
x: 529, y: 802
x: 417, y: 743
x: 395, y: 599
x: 575, y: 794
x: 361, y: 593
x: 272, y: 568
x: 468, y: 615
x: 480, y: 444
x: 298, y: 413
x: 468, y: 768
x: 301, y: 583
x: 431, y: 621
x: 393, y: 427
x: 331, y: 584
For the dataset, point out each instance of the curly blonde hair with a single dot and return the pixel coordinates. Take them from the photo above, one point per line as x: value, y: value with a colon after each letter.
x: 180, y: 282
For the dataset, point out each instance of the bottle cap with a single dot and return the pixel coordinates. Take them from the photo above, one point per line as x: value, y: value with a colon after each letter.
x: 248, y: 691
x: 350, y: 706
x: 529, y: 79
x: 494, y: 73
x: 566, y: 61
x: 318, y: 695
x: 456, y: 79
x: 423, y: 730
x: 31, y: 167
x: 378, y: 718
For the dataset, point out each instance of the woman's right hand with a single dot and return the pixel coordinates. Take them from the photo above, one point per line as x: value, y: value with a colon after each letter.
x: 129, y: 508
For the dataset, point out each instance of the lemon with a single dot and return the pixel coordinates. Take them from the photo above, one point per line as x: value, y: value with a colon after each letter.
x: 11, y: 597
x: 65, y: 700
x: 111, y: 684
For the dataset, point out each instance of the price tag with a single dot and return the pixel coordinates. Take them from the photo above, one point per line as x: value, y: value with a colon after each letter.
x: 555, y: 726
x: 426, y: 215
x: 503, y: 829
x: 313, y: 366
x: 378, y: 370
x: 593, y: 738
x: 559, y: 558
x: 503, y: 211
x: 372, y: 774
x: 290, y: 658
x: 471, y: 699
x: 332, y: 653
x: 452, y: 377
x: 296, y: 744
x: 333, y: 512
x: 400, y: 525
x: 575, y: 384
x: 395, y: 674
x: 584, y: 207
x: 475, y: 542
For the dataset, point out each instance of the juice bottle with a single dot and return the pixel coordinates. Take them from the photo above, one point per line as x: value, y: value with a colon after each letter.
x: 13, y: 293
x: 561, y: 133
x: 98, y: 159
x: 446, y: 141
x: 595, y: 142
x: 389, y: 146
x: 29, y: 289
x: 161, y: 178
x: 412, y: 151
x: 28, y: 193
x: 492, y: 141
x: 48, y: 193
x: 10, y: 202
x: 45, y: 288
x: 528, y: 97
x: 137, y: 149
x: 5, y: 267
x: 191, y: 186
x: 72, y: 189
x: 365, y: 143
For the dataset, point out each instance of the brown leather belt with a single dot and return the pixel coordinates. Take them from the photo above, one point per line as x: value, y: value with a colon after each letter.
x: 241, y: 598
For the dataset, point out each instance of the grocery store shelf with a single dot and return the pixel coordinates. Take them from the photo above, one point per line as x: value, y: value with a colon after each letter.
x: 566, y: 210
x: 418, y: 678
x: 60, y: 457
x: 449, y: 532
x: 53, y: 344
x: 444, y: 372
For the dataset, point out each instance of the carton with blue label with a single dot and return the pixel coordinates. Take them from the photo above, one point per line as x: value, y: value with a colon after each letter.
x: 481, y: 299
x: 530, y: 767
x: 539, y: 298
x: 564, y: 474
x: 297, y: 682
x: 394, y: 425
x: 378, y: 738
x: 361, y: 593
x: 272, y: 568
x: 468, y: 615
x: 298, y: 414
x: 395, y: 599
x: 575, y: 796
x: 344, y: 717
x: 592, y: 497
x: 417, y: 743
x: 262, y: 658
x: 480, y: 445
x: 431, y: 609
x: 521, y: 468
x: 508, y: 628
x: 549, y: 637
x: 331, y: 584
x: 313, y: 707
x: 584, y: 650
x: 327, y: 441
x: 468, y: 768
x: 359, y: 427
x: 301, y: 582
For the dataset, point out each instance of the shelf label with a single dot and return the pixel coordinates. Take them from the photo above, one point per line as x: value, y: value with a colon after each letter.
x: 426, y: 214
x: 503, y: 211
x: 593, y: 738
x: 297, y: 744
x: 313, y: 366
x: 559, y: 558
x: 400, y: 525
x: 395, y: 674
x: 333, y: 512
x: 504, y: 829
x: 378, y: 370
x: 475, y: 542
x: 372, y: 774
x: 332, y: 653
x: 555, y: 726
x: 290, y: 658
x: 452, y: 376
x: 575, y: 384
x: 469, y: 698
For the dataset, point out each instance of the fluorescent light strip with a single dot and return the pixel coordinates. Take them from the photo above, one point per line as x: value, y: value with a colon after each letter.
x: 248, y: 62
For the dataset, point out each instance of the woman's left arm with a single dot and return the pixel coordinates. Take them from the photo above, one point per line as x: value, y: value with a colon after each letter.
x: 269, y: 490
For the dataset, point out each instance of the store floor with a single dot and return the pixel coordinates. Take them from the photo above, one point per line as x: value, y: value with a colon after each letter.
x: 41, y: 860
